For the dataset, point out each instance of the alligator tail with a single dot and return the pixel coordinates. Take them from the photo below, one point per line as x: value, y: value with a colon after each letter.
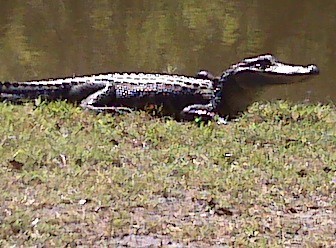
x: 32, y: 90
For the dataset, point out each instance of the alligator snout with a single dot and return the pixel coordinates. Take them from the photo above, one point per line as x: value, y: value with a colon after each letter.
x: 314, y: 69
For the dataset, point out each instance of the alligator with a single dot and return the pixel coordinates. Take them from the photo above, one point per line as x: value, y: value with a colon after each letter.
x: 181, y: 96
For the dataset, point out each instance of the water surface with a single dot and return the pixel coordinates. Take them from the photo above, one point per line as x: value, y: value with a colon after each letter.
x: 46, y: 39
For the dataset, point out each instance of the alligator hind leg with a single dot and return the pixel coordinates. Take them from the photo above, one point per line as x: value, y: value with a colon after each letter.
x: 104, y: 95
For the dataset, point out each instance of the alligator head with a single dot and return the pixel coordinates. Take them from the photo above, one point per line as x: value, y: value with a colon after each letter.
x: 243, y: 82
x: 267, y: 70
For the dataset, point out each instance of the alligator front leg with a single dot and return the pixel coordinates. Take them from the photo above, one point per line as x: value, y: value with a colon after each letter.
x: 101, y: 96
x: 204, y: 111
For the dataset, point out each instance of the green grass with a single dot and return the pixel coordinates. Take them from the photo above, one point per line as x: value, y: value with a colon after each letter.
x: 70, y: 177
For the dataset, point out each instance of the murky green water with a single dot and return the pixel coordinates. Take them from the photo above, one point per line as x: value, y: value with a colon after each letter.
x: 44, y: 39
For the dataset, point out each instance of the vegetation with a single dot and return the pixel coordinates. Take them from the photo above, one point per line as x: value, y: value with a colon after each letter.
x: 70, y: 177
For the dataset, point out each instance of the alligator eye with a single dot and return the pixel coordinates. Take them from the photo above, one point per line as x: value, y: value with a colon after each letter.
x: 263, y: 65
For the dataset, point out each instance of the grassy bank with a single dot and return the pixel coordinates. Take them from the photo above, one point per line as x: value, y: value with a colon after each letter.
x: 70, y: 177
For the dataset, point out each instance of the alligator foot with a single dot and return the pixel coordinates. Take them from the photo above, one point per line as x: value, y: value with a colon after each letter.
x: 114, y: 110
